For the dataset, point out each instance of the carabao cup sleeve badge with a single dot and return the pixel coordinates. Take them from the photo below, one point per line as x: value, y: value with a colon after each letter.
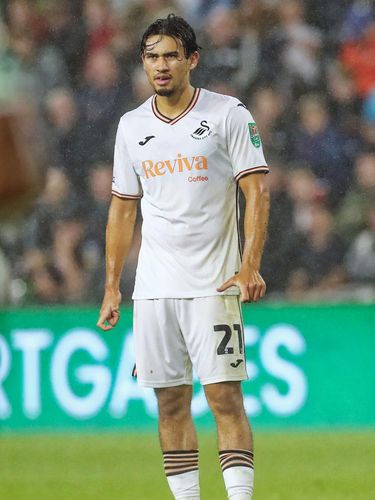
x: 254, y: 135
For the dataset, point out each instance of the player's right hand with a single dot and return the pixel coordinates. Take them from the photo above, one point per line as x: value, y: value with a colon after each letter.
x: 110, y: 311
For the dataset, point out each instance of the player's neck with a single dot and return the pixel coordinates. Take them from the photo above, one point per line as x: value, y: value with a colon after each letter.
x: 172, y: 106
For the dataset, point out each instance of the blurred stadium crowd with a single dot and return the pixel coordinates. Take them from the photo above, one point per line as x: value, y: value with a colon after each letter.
x: 306, y: 69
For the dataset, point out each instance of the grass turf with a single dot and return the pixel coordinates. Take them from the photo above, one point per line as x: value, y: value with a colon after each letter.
x: 289, y: 466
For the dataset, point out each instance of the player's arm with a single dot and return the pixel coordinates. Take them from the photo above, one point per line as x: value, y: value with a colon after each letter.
x: 249, y: 280
x: 119, y: 235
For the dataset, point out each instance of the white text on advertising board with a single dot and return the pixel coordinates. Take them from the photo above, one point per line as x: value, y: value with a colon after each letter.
x: 112, y: 389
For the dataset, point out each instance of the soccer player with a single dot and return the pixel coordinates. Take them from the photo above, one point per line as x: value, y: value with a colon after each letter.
x: 185, y: 153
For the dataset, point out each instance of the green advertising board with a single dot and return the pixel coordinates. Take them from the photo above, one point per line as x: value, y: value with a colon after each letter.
x: 309, y: 366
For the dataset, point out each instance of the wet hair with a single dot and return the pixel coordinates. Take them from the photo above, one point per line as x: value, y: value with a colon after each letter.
x: 177, y: 28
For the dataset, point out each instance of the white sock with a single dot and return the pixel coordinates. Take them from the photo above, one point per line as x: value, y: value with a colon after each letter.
x: 181, y: 469
x: 185, y: 486
x: 239, y: 482
x: 238, y: 472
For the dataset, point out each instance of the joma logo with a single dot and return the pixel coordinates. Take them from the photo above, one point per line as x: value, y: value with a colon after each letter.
x: 179, y: 164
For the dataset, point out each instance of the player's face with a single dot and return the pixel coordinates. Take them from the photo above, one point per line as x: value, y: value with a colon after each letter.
x: 166, y: 65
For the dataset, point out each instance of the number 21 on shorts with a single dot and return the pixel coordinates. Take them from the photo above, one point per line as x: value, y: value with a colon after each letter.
x: 223, y: 347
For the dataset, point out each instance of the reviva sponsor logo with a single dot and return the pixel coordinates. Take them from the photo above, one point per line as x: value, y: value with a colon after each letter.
x: 177, y: 165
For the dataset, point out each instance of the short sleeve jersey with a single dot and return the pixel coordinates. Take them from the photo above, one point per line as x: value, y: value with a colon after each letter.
x: 186, y: 170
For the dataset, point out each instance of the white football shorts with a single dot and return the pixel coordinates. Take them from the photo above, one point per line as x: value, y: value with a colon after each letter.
x: 173, y: 336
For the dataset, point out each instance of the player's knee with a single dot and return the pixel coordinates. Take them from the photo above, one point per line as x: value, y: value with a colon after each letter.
x: 173, y: 402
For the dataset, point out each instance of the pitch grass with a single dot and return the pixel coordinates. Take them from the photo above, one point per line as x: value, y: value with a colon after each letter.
x: 289, y: 466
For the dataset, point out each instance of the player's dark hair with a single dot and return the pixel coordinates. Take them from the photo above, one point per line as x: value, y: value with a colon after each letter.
x: 175, y: 27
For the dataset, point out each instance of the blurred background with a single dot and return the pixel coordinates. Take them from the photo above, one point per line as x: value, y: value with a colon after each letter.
x: 69, y: 69
x: 305, y: 69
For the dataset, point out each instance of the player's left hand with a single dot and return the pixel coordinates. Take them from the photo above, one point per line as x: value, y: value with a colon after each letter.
x: 249, y: 281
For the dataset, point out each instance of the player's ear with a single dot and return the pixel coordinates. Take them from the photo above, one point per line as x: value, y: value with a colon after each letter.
x: 194, y: 59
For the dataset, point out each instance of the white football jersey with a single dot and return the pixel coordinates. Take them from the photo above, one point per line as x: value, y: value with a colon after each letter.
x: 186, y: 172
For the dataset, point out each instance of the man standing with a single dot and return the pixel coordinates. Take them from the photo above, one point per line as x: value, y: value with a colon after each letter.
x: 185, y: 152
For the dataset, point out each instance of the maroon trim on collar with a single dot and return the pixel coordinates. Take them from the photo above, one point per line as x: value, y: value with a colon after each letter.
x: 157, y: 113
x: 172, y: 121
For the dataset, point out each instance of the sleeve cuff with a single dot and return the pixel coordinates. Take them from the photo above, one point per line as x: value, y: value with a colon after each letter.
x: 126, y: 196
x: 253, y: 170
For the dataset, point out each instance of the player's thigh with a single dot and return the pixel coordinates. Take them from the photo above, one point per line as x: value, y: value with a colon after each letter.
x: 213, y: 331
x: 161, y: 355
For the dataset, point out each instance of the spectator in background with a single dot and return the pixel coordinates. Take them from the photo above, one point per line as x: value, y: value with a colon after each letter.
x: 10, y: 71
x: 344, y: 104
x: 101, y: 25
x: 47, y: 283
x: 328, y: 17
x: 318, y: 142
x: 319, y: 264
x: 257, y: 16
x: 268, y: 110
x: 22, y: 17
x: 199, y: 10
x: 42, y: 65
x: 65, y: 132
x: 93, y: 257
x: 305, y: 191
x: 303, y: 43
x: 67, y: 34
x: 143, y: 12
x: 345, y: 107
x: 68, y: 236
x: 358, y: 48
x: 5, y: 279
x: 56, y: 195
x: 280, y: 248
x: 102, y: 100
x: 229, y: 56
x: 351, y: 217
x: 124, y: 46
x: 368, y: 122
x: 360, y: 259
x: 290, y: 53
x: 141, y: 88
x: 52, y: 238
x: 99, y: 187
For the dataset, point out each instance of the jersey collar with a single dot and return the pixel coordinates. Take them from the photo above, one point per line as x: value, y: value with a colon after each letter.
x: 172, y: 121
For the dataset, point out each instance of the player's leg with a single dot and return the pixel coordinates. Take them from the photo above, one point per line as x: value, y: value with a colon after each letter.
x: 178, y: 441
x: 213, y: 331
x: 163, y: 363
x: 234, y: 438
x: 176, y: 428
